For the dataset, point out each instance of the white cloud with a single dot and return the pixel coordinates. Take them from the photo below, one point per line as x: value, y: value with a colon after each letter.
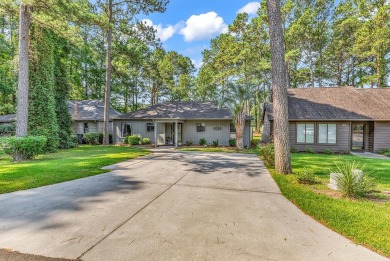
x: 249, y: 8
x: 162, y: 33
x: 203, y: 26
x: 197, y: 63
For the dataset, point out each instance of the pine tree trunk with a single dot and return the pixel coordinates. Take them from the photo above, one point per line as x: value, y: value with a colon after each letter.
x: 23, y: 77
x: 279, y: 87
x: 240, y: 124
x: 108, y: 78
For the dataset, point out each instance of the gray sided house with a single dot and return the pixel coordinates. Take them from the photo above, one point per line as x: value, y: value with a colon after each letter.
x: 339, y: 119
x: 175, y: 123
x: 7, y: 119
x: 88, y: 116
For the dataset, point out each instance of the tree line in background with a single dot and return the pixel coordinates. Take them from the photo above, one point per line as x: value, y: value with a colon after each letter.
x: 347, y: 44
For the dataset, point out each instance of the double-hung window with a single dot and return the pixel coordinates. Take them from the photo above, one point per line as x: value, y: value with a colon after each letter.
x: 232, y: 128
x: 200, y: 127
x: 305, y: 133
x: 149, y: 126
x: 327, y: 133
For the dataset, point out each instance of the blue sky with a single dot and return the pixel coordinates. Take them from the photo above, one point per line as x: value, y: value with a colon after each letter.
x: 187, y: 26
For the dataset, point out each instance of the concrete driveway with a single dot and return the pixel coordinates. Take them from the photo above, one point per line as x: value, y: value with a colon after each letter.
x: 170, y: 206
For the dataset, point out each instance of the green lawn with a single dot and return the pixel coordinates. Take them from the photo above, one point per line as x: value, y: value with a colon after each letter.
x: 62, y: 166
x: 364, y: 221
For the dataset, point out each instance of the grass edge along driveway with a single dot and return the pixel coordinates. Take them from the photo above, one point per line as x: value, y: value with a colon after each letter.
x: 61, y: 166
x: 363, y: 221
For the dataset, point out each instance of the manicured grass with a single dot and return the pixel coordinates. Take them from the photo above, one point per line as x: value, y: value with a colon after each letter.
x: 61, y: 166
x: 321, y: 164
x: 364, y: 221
x: 219, y: 149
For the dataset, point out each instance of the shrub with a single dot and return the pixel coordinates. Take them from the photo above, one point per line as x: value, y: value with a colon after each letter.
x: 309, y: 150
x: 385, y: 152
x: 189, y: 142
x: 232, y: 142
x: 351, y: 180
x: 267, y: 151
x: 306, y: 176
x: 7, y: 129
x: 92, y: 138
x: 328, y: 151
x: 23, y: 148
x: 215, y: 143
x: 145, y: 141
x: 133, y: 140
x: 294, y: 150
x: 202, y: 141
x: 75, y: 141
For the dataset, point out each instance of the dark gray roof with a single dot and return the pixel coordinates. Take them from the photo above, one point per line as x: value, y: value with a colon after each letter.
x: 337, y: 103
x: 89, y: 110
x: 9, y: 118
x: 180, y: 110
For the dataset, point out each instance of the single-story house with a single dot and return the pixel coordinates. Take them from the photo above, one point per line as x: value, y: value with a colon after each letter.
x: 340, y: 119
x: 87, y: 116
x: 175, y: 123
x: 7, y: 119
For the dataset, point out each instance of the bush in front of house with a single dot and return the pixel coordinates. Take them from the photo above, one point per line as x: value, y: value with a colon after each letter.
x: 306, y: 176
x: 91, y: 138
x: 267, y: 151
x: 23, y: 148
x: 145, y: 141
x: 328, y: 151
x: 385, y: 152
x: 6, y: 130
x: 232, y: 142
x: 189, y: 142
x: 310, y: 150
x: 215, y: 143
x: 133, y: 140
x: 351, y: 180
x: 75, y: 141
x: 202, y: 142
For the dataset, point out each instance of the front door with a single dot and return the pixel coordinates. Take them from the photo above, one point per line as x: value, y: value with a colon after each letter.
x: 357, y: 136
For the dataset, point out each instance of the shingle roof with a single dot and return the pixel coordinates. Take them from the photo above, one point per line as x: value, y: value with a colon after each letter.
x: 337, y: 103
x: 180, y: 110
x: 9, y: 118
x: 89, y: 110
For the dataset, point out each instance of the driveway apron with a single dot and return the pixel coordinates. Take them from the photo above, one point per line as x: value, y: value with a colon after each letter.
x: 170, y: 206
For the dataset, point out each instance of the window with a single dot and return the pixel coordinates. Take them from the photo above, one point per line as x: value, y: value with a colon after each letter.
x: 86, y: 128
x: 149, y: 126
x: 232, y: 128
x: 200, y: 127
x: 125, y: 129
x: 305, y: 133
x: 327, y: 133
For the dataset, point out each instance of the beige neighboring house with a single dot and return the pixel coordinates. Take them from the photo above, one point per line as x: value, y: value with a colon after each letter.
x: 175, y: 123
x: 88, y: 116
x: 340, y: 119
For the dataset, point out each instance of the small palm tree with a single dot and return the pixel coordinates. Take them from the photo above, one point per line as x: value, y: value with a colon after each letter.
x: 237, y: 98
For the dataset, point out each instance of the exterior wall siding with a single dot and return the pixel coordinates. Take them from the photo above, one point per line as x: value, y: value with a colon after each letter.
x: 266, y: 129
x: 211, y: 134
x: 215, y: 130
x: 343, y: 138
x: 381, y: 135
x: 78, y: 126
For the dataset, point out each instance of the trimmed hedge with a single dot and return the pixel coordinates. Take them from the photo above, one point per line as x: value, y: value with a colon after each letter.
x: 133, y: 140
x: 145, y: 141
x: 92, y: 138
x: 23, y: 148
